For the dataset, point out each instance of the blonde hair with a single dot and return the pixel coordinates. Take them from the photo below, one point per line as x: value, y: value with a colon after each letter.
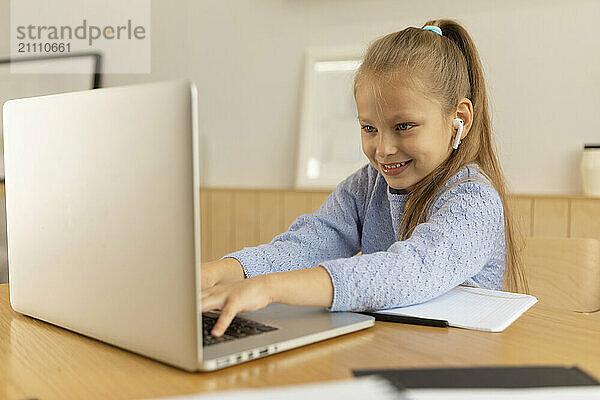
x: 447, y: 69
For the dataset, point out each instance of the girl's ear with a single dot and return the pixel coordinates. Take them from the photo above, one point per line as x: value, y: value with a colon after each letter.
x: 464, y: 111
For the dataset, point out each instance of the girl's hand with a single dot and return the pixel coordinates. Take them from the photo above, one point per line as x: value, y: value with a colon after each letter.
x: 235, y: 297
x: 221, y: 271
x: 304, y: 287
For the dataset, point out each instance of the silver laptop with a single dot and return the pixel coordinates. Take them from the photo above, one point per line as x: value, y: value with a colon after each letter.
x: 102, y: 203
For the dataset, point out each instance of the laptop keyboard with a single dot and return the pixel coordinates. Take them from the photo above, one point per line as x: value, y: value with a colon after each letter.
x: 239, y: 328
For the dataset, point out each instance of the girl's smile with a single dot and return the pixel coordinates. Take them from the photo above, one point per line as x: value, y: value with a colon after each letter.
x: 395, y: 169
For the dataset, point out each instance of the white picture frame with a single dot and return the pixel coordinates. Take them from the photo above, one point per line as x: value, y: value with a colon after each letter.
x: 329, y: 147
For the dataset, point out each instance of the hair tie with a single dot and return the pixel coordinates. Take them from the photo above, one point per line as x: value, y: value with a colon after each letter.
x: 432, y: 28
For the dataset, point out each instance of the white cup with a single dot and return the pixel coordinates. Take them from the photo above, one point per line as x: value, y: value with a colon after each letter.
x: 590, y: 169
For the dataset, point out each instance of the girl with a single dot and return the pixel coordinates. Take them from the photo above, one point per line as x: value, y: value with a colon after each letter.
x: 427, y: 216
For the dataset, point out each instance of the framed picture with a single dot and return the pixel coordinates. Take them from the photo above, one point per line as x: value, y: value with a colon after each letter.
x: 329, y: 147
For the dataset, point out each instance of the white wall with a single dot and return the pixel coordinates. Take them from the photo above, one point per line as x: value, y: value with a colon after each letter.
x: 541, y: 59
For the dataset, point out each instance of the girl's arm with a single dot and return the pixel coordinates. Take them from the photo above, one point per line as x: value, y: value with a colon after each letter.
x: 334, y: 231
x: 222, y: 271
x: 463, y: 234
x: 305, y: 287
x: 452, y: 246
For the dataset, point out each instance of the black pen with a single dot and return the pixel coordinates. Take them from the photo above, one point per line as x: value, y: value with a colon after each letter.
x: 405, y: 319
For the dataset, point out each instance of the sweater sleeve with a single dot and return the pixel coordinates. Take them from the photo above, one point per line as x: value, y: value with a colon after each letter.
x: 332, y: 232
x: 452, y: 246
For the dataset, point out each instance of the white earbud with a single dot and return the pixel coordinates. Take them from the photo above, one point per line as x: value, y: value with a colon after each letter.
x: 458, y: 124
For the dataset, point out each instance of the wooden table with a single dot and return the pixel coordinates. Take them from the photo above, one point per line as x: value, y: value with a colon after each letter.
x: 42, y: 361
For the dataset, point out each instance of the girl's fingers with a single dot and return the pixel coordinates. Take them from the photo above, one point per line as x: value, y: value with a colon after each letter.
x: 212, y: 301
x: 208, y: 305
x: 227, y: 314
x: 219, y: 301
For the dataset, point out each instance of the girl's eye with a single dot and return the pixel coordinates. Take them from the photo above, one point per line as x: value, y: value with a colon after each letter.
x: 403, y: 126
x: 368, y: 129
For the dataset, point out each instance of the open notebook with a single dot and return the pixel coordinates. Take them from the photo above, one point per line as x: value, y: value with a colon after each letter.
x: 471, y: 308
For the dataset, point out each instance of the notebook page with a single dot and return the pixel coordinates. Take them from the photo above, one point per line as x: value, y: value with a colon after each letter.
x: 472, y: 308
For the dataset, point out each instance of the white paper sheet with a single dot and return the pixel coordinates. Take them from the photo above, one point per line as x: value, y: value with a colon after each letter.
x: 472, y: 308
x: 371, y: 388
x: 546, y: 393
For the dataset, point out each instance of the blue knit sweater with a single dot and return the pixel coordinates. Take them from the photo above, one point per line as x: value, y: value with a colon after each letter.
x: 461, y: 242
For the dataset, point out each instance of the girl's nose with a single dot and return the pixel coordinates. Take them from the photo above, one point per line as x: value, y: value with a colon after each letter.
x: 385, y: 146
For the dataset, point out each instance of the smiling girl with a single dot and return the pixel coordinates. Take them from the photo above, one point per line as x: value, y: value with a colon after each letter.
x: 425, y: 216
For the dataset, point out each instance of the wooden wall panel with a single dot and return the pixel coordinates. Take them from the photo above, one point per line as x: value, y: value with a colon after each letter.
x: 221, y: 224
x: 294, y: 205
x: 551, y: 217
x: 316, y: 199
x: 270, y: 215
x: 522, y: 210
x: 236, y: 218
x: 585, y: 218
x: 245, y: 219
x: 205, y: 236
